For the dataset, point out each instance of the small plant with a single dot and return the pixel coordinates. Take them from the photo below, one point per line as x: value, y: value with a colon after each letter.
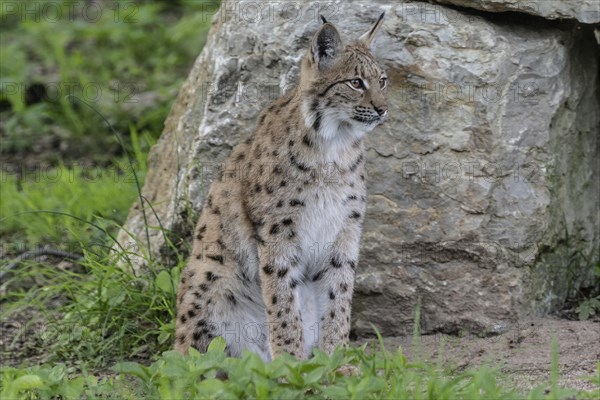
x: 588, y: 308
x: 591, y: 305
x: 45, y: 382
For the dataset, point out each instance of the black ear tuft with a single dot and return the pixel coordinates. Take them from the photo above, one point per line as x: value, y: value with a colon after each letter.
x: 368, y: 37
x: 323, y: 19
x: 326, y: 46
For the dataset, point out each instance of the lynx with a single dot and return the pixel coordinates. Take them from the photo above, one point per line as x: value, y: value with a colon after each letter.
x: 276, y: 245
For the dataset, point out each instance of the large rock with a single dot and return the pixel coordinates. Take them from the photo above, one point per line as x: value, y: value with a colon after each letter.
x: 586, y: 11
x: 483, y: 184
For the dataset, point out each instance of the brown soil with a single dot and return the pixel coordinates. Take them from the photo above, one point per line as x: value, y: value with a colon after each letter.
x: 523, y: 354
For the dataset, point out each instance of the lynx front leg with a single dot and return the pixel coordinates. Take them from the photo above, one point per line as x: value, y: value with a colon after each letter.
x: 278, y: 274
x: 336, y: 282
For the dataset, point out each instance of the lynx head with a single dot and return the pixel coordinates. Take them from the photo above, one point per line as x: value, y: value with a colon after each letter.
x: 344, y: 86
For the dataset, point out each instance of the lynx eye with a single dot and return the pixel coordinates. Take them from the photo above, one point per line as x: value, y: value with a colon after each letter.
x: 357, y: 83
x: 383, y: 82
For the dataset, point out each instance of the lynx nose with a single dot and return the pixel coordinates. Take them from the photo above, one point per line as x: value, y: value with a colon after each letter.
x: 381, y: 110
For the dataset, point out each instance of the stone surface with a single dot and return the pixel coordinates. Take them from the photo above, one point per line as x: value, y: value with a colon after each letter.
x: 586, y: 11
x: 483, y: 184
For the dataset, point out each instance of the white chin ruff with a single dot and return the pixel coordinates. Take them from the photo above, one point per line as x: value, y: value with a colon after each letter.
x: 335, y: 126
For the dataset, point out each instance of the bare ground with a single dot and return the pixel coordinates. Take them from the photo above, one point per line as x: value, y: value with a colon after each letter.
x: 523, y: 354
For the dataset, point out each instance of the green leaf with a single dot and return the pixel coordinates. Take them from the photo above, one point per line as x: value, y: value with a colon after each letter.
x: 163, y: 282
x: 163, y: 337
x: 314, y: 376
x: 336, y: 392
x: 295, y: 377
x: 217, y: 345
x: 25, y: 382
x: 56, y: 374
x: 210, y: 387
x: 255, y: 363
x: 370, y: 384
x: 584, y: 310
x: 72, y: 389
x: 193, y: 352
x: 133, y: 368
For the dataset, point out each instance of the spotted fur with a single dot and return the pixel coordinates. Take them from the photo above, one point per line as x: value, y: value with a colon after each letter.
x: 276, y: 245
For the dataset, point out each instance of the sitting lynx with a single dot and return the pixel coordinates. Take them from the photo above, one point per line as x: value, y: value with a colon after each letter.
x: 276, y: 245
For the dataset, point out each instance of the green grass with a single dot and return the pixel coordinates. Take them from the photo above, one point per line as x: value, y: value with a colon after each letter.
x: 68, y: 204
x: 104, y: 312
x: 51, y: 204
x: 128, y: 63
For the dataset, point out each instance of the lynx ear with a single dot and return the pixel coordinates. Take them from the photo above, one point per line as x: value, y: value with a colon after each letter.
x: 326, y: 46
x: 368, y: 37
